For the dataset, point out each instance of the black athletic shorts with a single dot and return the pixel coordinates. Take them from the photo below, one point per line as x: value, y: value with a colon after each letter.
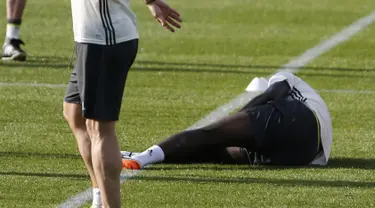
x: 98, y: 79
x: 286, y: 132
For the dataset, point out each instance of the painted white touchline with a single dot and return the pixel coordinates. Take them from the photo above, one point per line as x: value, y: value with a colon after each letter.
x: 343, y: 91
x: 300, y: 61
x: 328, y: 44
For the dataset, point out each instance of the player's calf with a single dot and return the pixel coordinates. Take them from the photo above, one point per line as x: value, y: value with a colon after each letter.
x: 106, y: 160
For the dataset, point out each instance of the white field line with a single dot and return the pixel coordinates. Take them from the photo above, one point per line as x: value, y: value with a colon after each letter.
x: 343, y: 91
x: 26, y: 84
x: 296, y: 63
x: 328, y: 44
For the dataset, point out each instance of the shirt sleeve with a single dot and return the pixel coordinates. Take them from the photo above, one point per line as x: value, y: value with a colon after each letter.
x: 281, y: 76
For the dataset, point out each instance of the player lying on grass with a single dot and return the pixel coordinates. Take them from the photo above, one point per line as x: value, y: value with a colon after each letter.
x: 288, y: 124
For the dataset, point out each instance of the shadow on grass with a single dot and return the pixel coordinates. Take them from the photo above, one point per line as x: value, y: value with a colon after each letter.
x: 241, y: 180
x: 355, y: 163
x: 252, y: 72
x: 40, y: 155
x: 359, y: 163
x: 339, y: 162
x: 248, y: 180
x: 205, y: 70
x: 274, y: 67
x: 46, y: 175
x: 260, y: 70
x: 39, y: 62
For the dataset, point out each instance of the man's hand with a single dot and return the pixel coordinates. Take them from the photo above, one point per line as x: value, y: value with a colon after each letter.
x: 164, y: 14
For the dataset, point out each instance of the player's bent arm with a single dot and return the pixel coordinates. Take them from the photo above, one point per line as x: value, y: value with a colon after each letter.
x: 275, y: 91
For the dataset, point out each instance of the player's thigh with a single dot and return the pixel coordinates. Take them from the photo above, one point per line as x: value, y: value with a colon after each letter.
x: 72, y: 91
x: 293, y: 139
x: 118, y: 60
x: 262, y: 118
x: 232, y: 130
x: 88, y: 67
x: 103, y: 78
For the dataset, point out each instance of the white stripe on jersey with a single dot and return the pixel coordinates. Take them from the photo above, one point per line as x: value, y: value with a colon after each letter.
x: 296, y: 94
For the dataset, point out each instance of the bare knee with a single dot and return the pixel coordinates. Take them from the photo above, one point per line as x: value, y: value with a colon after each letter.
x: 66, y: 113
x: 102, y: 135
x: 100, y: 129
x: 73, y: 115
x: 105, y: 147
x: 69, y: 110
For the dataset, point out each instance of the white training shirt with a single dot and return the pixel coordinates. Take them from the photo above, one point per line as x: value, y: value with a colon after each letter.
x: 303, y: 92
x: 103, y: 22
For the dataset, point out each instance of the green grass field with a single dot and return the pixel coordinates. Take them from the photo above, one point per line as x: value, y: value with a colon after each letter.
x: 178, y: 79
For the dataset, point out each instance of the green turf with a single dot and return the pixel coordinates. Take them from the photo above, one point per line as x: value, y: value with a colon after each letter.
x: 176, y: 80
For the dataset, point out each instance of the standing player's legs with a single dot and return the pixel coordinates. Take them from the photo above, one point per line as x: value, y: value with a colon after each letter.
x: 77, y: 123
x: 234, y: 130
x: 73, y: 115
x: 101, y: 95
x: 91, y: 107
x: 11, y: 47
x: 106, y: 160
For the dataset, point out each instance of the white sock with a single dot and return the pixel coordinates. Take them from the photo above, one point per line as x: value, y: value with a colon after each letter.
x: 96, y: 198
x: 13, y: 31
x: 153, y: 154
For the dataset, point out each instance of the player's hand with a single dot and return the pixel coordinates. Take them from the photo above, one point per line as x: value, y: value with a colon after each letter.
x: 165, y: 15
